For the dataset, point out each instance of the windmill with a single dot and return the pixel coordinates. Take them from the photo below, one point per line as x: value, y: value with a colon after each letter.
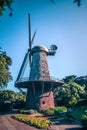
x: 39, y: 84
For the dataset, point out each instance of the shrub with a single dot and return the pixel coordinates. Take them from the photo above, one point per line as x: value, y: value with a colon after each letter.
x: 61, y: 108
x: 5, y: 107
x: 81, y: 102
x: 79, y: 112
x: 54, y: 111
x: 48, y: 112
x: 37, y: 122
x: 35, y: 111
x: 19, y: 104
x: 23, y: 111
x: 84, y: 120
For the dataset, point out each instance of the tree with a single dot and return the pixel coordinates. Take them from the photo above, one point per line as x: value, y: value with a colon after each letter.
x: 20, y: 101
x: 69, y: 78
x: 69, y: 94
x: 8, y: 95
x: 82, y: 80
x: 78, y: 2
x: 5, y: 75
x: 6, y: 4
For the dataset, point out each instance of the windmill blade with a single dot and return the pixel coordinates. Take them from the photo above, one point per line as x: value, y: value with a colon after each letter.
x: 29, y: 31
x: 23, y: 67
x: 32, y: 40
x: 30, y: 46
x: 30, y: 59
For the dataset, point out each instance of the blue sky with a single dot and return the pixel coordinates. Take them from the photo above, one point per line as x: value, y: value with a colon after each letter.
x: 62, y: 23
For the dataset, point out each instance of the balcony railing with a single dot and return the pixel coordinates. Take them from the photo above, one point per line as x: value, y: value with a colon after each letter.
x: 52, y: 78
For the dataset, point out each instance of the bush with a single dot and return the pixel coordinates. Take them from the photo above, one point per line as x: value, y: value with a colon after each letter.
x: 48, y: 112
x: 24, y: 111
x: 82, y: 102
x: 84, y: 120
x: 79, y: 112
x: 18, y: 104
x: 28, y: 111
x: 37, y: 122
x: 61, y: 108
x: 5, y: 107
x: 54, y: 111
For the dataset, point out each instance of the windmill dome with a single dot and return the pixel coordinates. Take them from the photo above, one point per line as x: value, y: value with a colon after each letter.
x: 38, y: 49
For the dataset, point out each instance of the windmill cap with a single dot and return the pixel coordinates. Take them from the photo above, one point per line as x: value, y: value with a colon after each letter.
x: 38, y: 49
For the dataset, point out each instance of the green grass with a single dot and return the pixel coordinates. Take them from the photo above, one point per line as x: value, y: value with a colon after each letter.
x: 77, y: 115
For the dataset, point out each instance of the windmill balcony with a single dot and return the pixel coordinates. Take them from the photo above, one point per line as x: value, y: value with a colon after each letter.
x: 52, y: 78
x: 26, y: 83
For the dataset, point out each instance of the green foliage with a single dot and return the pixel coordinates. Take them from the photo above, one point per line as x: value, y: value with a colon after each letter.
x: 8, y: 3
x: 5, y: 107
x: 84, y: 120
x: 82, y: 102
x: 82, y: 80
x: 5, y: 75
x: 49, y: 112
x: 78, y: 114
x: 60, y: 108
x: 54, y: 111
x: 37, y: 122
x: 12, y: 96
x: 8, y: 95
x: 69, y: 78
x: 69, y: 94
x: 78, y: 2
x: 27, y: 111
x: 18, y: 99
x: 35, y: 111
x: 24, y: 111
x: 4, y: 4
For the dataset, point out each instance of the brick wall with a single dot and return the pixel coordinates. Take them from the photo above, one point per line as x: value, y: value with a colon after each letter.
x: 46, y: 101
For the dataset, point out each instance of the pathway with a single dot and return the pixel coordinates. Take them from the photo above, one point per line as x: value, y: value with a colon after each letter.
x: 7, y: 123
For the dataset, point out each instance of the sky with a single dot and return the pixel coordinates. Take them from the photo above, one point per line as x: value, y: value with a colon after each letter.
x: 62, y: 24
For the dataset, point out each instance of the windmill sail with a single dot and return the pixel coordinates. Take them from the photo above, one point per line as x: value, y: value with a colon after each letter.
x: 23, y: 67
x: 30, y: 40
x: 30, y: 46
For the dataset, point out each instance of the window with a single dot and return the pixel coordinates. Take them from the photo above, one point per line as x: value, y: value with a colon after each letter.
x: 43, y: 102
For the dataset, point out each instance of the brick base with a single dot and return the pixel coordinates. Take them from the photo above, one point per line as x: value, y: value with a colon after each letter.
x: 46, y: 101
